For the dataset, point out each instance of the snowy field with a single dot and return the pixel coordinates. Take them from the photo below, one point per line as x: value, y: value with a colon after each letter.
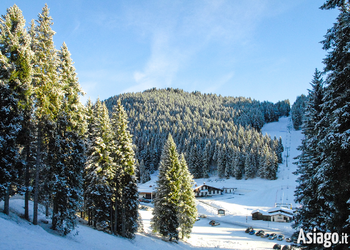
x: 16, y: 233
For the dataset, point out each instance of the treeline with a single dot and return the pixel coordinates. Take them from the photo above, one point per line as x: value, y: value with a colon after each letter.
x: 69, y: 157
x: 215, y: 133
x: 323, y: 189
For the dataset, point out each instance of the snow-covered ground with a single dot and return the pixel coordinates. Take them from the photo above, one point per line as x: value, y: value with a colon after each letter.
x: 16, y: 233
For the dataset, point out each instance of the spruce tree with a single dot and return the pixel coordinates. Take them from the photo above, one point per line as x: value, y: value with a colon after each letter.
x: 126, y: 195
x: 100, y: 169
x: 221, y: 161
x: 311, y: 214
x: 334, y: 145
x: 187, y: 211
x: 206, y: 160
x: 165, y: 217
x: 248, y: 167
x: 47, y: 92
x: 71, y: 90
x: 67, y: 185
x: 144, y: 173
x: 10, y: 124
x: 15, y: 77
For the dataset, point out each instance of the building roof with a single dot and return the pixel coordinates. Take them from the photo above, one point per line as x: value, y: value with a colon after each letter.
x: 282, y: 209
x: 205, y: 185
x: 281, y: 213
x: 260, y: 211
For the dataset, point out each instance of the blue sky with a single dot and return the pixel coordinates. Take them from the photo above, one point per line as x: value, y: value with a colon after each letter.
x: 264, y: 49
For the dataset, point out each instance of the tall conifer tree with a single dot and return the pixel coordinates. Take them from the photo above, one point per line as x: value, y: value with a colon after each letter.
x: 165, y: 217
x: 309, y: 161
x: 15, y: 77
x: 187, y: 210
x: 47, y: 91
x: 67, y: 185
x: 100, y: 169
x: 126, y: 195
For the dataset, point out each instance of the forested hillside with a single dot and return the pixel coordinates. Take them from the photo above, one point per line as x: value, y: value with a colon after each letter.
x: 215, y: 133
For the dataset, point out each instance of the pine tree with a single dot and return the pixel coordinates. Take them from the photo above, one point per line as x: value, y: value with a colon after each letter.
x: 187, y: 211
x: 15, y: 74
x: 334, y: 145
x: 126, y: 195
x: 67, y: 185
x: 144, y: 173
x: 165, y: 217
x: 238, y: 164
x: 311, y: 214
x: 229, y: 162
x: 10, y: 124
x: 222, y: 161
x: 100, y: 169
x: 71, y: 90
x: 206, y: 160
x: 196, y: 162
x: 47, y: 92
x: 248, y: 167
x: 271, y: 166
x: 298, y: 111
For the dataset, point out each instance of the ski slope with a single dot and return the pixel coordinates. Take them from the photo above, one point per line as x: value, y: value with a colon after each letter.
x: 16, y: 233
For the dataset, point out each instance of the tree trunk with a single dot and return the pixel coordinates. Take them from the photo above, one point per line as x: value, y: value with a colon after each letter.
x: 54, y: 212
x: 7, y: 200
x: 47, y: 208
x: 116, y: 213
x: 27, y: 177
x: 111, y: 219
x: 37, y: 169
x: 123, y: 217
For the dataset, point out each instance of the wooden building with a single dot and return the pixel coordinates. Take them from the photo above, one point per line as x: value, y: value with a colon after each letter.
x: 205, y: 190
x: 278, y: 214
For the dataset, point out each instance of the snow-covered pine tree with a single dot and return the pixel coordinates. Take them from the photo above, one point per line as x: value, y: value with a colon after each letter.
x: 15, y: 74
x: 206, y: 160
x: 47, y: 92
x: 89, y: 138
x: 280, y: 150
x: 144, y: 173
x: 100, y: 169
x: 196, y: 161
x: 271, y: 165
x: 187, y: 211
x: 311, y: 214
x: 10, y: 124
x: 126, y: 194
x: 298, y: 111
x: 249, y: 168
x: 229, y: 162
x: 221, y: 161
x: 238, y: 166
x: 67, y: 185
x: 263, y: 162
x: 165, y: 217
x: 334, y: 171
x: 71, y: 90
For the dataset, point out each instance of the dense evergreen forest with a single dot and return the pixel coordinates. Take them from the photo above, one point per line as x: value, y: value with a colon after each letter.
x: 53, y: 150
x: 219, y: 135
